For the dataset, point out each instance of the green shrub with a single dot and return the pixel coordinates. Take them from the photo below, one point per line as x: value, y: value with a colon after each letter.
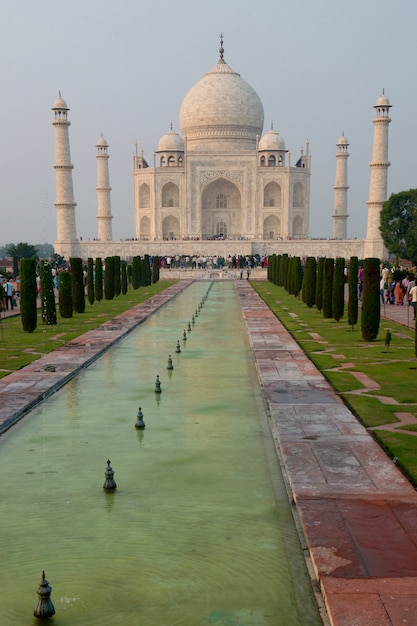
x: 155, y: 269
x: 371, y: 299
x: 90, y: 280
x: 65, y: 295
x: 309, y: 282
x: 117, y: 279
x: 124, y: 278
x: 319, y: 283
x: 338, y: 295
x: 109, y: 278
x: 77, y: 280
x: 48, y: 306
x: 28, y: 312
x: 98, y: 280
x: 328, y: 288
x: 353, y: 291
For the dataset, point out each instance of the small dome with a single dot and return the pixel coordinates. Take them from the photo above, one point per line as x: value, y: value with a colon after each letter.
x: 342, y: 141
x: 271, y: 141
x: 101, y: 142
x: 382, y: 101
x: 171, y: 142
x: 60, y: 104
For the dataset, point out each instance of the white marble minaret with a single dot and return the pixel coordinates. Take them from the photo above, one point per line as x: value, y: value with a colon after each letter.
x: 65, y: 205
x: 341, y: 187
x: 374, y: 246
x: 104, y: 216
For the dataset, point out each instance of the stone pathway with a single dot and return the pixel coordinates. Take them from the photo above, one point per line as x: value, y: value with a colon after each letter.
x: 357, y: 511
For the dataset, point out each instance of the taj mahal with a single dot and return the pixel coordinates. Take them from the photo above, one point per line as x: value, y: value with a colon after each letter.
x: 222, y: 186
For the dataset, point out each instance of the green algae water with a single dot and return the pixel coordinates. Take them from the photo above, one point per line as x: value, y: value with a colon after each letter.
x: 199, y: 530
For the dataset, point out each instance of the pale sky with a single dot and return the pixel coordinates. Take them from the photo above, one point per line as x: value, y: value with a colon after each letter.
x: 124, y: 68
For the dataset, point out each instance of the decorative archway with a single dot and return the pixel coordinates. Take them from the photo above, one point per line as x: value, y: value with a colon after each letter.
x: 272, y: 227
x: 170, y: 195
x: 221, y: 204
x: 144, y: 196
x: 272, y: 195
x: 171, y: 228
x: 298, y: 195
x: 297, y: 227
x: 145, y: 227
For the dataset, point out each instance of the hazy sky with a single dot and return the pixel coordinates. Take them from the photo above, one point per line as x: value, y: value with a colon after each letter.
x: 124, y: 68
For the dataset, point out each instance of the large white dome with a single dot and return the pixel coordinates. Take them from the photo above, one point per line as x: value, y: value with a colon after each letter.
x: 221, y: 111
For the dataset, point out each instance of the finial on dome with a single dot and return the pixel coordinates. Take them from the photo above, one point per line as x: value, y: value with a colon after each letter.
x: 59, y: 93
x: 221, y: 49
x: 383, y: 91
x: 272, y: 125
x: 171, y: 124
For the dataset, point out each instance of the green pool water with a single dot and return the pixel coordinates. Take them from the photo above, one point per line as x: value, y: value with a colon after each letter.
x: 199, y: 530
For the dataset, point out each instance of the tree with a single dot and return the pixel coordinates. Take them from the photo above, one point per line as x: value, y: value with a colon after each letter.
x: 136, y: 273
x: 124, y: 278
x: 48, y: 306
x: 90, y: 280
x: 109, y: 278
x: 22, y: 251
x: 155, y: 269
x: 65, y: 295
x: 77, y: 280
x: 328, y: 288
x: 28, y: 310
x: 310, y: 281
x: 117, y: 280
x: 371, y: 300
x: 398, y: 224
x: 98, y: 280
x: 338, y: 295
x: 353, y: 291
x: 319, y: 283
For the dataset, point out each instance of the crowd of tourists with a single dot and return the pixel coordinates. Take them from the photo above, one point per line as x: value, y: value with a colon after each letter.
x: 398, y: 287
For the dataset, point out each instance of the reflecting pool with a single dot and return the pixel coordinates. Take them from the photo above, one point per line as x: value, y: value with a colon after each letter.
x: 199, y: 530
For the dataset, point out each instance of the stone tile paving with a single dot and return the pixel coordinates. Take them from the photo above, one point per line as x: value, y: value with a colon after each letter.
x: 20, y: 391
x: 357, y: 511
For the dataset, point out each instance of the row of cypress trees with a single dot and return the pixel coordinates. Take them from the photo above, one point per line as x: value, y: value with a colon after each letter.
x: 323, y: 286
x: 72, y: 285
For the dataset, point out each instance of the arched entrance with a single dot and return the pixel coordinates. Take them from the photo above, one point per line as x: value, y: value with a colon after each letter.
x: 171, y: 228
x: 221, y: 214
x: 272, y: 227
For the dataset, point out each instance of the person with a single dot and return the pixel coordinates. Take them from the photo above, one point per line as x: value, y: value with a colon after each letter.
x: 382, y: 289
x: 8, y: 291
x: 247, y: 273
x: 413, y: 294
x: 398, y: 293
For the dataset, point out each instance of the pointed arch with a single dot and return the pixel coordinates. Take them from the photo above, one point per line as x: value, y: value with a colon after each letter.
x: 272, y: 195
x: 297, y: 226
x: 272, y: 227
x: 171, y: 228
x: 298, y: 195
x: 144, y: 196
x: 145, y: 227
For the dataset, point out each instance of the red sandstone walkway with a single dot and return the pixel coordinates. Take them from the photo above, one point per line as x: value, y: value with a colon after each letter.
x: 357, y: 511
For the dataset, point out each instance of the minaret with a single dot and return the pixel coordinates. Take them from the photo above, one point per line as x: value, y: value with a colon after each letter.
x: 340, y: 213
x: 374, y: 246
x: 104, y: 216
x: 65, y: 205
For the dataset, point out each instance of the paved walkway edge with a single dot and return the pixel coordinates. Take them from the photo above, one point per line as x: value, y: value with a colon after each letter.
x: 22, y: 390
x: 357, y: 512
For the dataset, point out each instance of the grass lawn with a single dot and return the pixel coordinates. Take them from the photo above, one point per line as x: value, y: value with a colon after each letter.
x: 18, y: 348
x: 337, y: 351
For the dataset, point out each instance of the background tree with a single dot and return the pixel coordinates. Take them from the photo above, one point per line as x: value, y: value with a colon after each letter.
x: 297, y: 276
x: 309, y: 282
x: 90, y: 280
x: 22, y: 251
x: 109, y: 278
x: 136, y: 265
x: 146, y: 271
x: 370, y: 300
x: 15, y: 266
x: 338, y: 295
x: 328, y: 288
x: 353, y: 291
x: 319, y: 283
x: 98, y: 280
x: 77, y: 280
x: 398, y: 225
x: 129, y: 274
x: 28, y: 311
x: 48, y: 306
x: 123, y: 268
x: 117, y: 278
x: 65, y: 295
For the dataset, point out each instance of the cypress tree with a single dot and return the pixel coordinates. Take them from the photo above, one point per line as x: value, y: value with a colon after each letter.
x: 135, y: 272
x: 77, y: 280
x: 277, y: 272
x: 124, y: 278
x: 117, y: 280
x: 146, y: 271
x: 65, y: 294
x: 297, y: 276
x: 98, y: 280
x: 353, y: 291
x: 371, y: 300
x: 15, y: 266
x: 90, y: 280
x: 155, y: 269
x: 310, y: 281
x: 48, y: 307
x: 129, y: 274
x: 109, y: 278
x: 338, y: 296
x: 328, y: 288
x: 28, y: 311
x: 320, y: 283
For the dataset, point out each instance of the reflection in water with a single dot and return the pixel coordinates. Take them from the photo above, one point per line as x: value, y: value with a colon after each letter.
x: 199, y: 530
